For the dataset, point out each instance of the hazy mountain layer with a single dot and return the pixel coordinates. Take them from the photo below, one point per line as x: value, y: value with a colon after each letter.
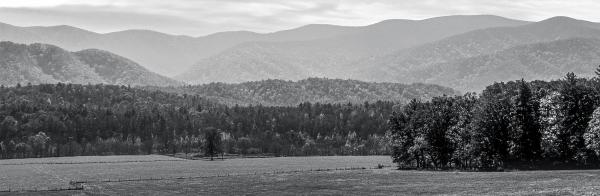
x: 541, y: 61
x: 403, y: 65
x: 43, y: 63
x: 159, y: 52
x: 327, y: 57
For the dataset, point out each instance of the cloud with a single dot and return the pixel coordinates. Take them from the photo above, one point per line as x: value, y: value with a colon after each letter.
x: 198, y: 17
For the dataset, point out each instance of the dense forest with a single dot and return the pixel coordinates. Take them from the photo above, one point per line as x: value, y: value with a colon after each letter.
x: 518, y: 124
x: 314, y: 90
x: 69, y: 119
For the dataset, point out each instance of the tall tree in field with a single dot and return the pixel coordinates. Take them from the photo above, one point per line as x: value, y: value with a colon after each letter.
x: 576, y: 107
x: 213, y: 142
x: 526, y: 133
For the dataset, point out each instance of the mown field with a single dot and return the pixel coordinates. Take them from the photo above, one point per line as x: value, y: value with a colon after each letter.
x: 293, y: 176
x: 55, y: 173
x: 370, y: 182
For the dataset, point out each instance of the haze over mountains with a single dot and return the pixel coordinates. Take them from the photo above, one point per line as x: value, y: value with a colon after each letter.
x: 416, y: 64
x: 462, y: 52
x: 43, y: 63
x: 327, y: 57
x: 170, y: 55
x: 538, y: 61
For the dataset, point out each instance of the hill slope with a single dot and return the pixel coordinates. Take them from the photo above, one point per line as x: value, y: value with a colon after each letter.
x: 540, y: 61
x: 403, y: 65
x: 288, y: 93
x: 162, y: 53
x: 325, y: 57
x: 43, y: 63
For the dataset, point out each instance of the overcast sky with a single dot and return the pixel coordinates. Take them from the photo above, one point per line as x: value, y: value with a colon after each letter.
x: 201, y: 17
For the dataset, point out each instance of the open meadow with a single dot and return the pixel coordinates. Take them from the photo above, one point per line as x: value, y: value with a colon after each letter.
x: 369, y: 182
x: 335, y: 175
x: 63, y: 173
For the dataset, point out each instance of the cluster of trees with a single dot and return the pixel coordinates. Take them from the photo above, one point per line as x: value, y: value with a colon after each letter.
x: 518, y: 124
x: 69, y: 120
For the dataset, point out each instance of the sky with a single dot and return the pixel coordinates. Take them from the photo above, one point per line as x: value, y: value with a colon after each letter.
x: 202, y: 17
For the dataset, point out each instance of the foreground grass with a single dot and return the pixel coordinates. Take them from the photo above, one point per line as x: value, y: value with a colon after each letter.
x: 44, y: 174
x: 59, y: 172
x: 364, y: 182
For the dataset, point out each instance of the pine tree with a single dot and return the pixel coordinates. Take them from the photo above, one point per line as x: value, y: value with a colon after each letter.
x: 526, y: 131
x: 491, y: 127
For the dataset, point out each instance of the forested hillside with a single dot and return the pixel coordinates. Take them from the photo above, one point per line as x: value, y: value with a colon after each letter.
x: 43, y: 63
x: 525, y: 125
x: 314, y: 90
x: 541, y: 61
x: 463, y: 61
x: 328, y: 56
x: 68, y: 119
x: 173, y: 54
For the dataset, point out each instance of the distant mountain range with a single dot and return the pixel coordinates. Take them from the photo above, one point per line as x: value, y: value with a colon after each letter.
x: 170, y: 55
x: 327, y: 57
x: 290, y: 93
x: 444, y: 61
x: 423, y: 63
x: 539, y: 61
x: 462, y: 52
x: 43, y: 63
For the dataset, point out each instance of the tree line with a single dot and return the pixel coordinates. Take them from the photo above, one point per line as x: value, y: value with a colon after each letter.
x: 314, y: 90
x: 71, y: 120
x: 517, y: 124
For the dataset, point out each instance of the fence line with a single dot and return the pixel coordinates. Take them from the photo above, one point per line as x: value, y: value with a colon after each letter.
x: 71, y: 187
x: 218, y: 175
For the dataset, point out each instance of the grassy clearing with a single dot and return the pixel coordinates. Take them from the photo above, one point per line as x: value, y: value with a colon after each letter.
x: 385, y: 181
x: 44, y: 176
x: 368, y: 182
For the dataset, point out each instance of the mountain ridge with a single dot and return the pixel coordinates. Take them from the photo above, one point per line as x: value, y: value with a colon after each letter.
x: 325, y: 57
x: 401, y: 65
x: 44, y: 63
x: 159, y: 52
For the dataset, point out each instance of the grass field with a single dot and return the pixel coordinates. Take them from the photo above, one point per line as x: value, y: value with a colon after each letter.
x: 35, y: 174
x: 387, y: 181
x: 371, y: 182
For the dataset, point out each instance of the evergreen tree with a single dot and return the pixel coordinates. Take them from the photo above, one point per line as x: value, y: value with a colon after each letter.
x: 526, y: 131
x: 491, y: 127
